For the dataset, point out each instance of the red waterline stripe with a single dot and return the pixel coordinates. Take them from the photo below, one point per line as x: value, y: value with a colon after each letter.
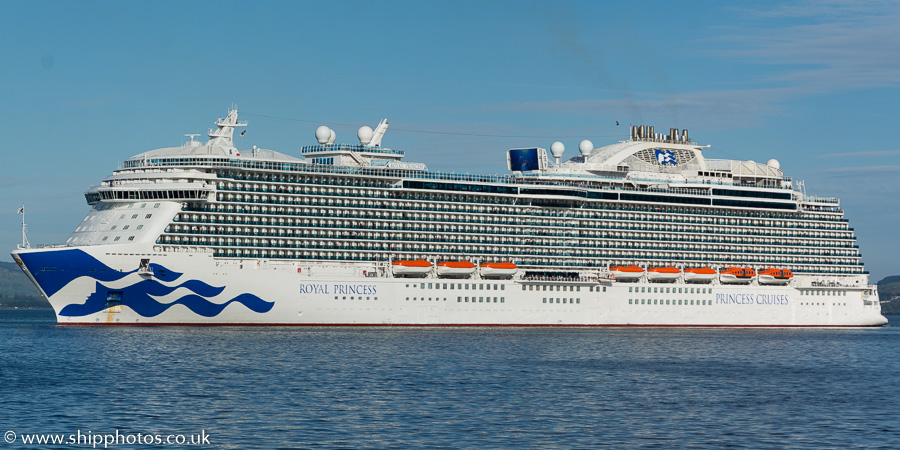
x: 444, y: 325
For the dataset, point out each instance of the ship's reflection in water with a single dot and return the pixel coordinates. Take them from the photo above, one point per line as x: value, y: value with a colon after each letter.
x: 340, y: 387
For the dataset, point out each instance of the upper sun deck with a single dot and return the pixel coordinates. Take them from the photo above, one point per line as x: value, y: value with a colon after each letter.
x: 654, y: 158
x: 670, y: 165
x: 206, y: 152
x: 220, y: 144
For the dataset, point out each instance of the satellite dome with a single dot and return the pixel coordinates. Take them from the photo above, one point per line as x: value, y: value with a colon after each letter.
x: 331, y: 137
x: 556, y: 149
x: 586, y: 147
x: 365, y: 135
x: 322, y: 134
x: 773, y: 163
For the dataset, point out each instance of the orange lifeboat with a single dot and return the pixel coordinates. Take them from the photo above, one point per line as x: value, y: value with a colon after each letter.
x: 775, y: 276
x: 498, y: 270
x: 736, y: 275
x: 410, y: 268
x: 699, y: 275
x: 626, y: 273
x: 455, y: 269
x: 663, y: 274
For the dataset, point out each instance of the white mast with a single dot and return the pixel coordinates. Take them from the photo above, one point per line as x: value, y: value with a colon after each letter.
x: 223, y: 134
x: 380, y: 129
x: 25, y: 243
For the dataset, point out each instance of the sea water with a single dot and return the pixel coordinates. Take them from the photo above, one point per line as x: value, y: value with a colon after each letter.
x: 261, y: 387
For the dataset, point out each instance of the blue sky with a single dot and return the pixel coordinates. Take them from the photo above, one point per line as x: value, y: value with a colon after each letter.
x: 816, y: 85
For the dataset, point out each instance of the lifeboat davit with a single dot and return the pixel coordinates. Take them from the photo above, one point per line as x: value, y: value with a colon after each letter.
x: 663, y: 274
x: 626, y: 273
x: 736, y: 275
x: 498, y: 270
x: 775, y: 276
x: 413, y: 268
x: 699, y: 275
x: 455, y: 269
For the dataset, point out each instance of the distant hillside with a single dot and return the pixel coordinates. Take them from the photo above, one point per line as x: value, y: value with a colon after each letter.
x: 889, y: 292
x: 17, y: 291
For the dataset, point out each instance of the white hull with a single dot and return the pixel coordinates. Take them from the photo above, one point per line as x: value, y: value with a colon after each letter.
x: 626, y: 276
x: 410, y: 271
x: 493, y: 272
x: 195, y: 288
x: 455, y: 272
x: 772, y: 281
x: 659, y: 277
x: 727, y: 278
x: 691, y: 277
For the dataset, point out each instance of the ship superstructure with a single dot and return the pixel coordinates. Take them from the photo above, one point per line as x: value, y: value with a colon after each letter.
x: 646, y: 221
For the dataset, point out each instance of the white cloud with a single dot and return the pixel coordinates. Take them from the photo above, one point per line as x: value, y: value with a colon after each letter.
x: 861, y: 154
x: 860, y: 170
x: 718, y: 108
x: 823, y: 46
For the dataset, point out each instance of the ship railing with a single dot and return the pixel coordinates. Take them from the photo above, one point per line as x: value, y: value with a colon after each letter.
x: 531, y: 178
x: 349, y: 148
x: 817, y: 199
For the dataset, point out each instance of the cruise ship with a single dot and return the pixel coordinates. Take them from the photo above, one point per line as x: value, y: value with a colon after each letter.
x: 643, y: 232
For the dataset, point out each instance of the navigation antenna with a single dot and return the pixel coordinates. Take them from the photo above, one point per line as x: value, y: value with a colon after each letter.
x: 25, y: 243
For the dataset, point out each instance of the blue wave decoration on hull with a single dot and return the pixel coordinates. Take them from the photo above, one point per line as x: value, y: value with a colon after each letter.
x: 54, y: 269
x: 138, y: 298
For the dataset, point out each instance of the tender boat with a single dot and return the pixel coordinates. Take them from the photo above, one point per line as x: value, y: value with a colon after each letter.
x: 626, y: 273
x: 667, y: 274
x: 699, y: 275
x: 736, y: 275
x: 498, y: 270
x: 778, y: 277
x: 413, y: 268
x: 455, y: 269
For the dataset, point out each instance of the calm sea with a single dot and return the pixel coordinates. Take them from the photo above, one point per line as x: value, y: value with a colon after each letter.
x: 341, y: 387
